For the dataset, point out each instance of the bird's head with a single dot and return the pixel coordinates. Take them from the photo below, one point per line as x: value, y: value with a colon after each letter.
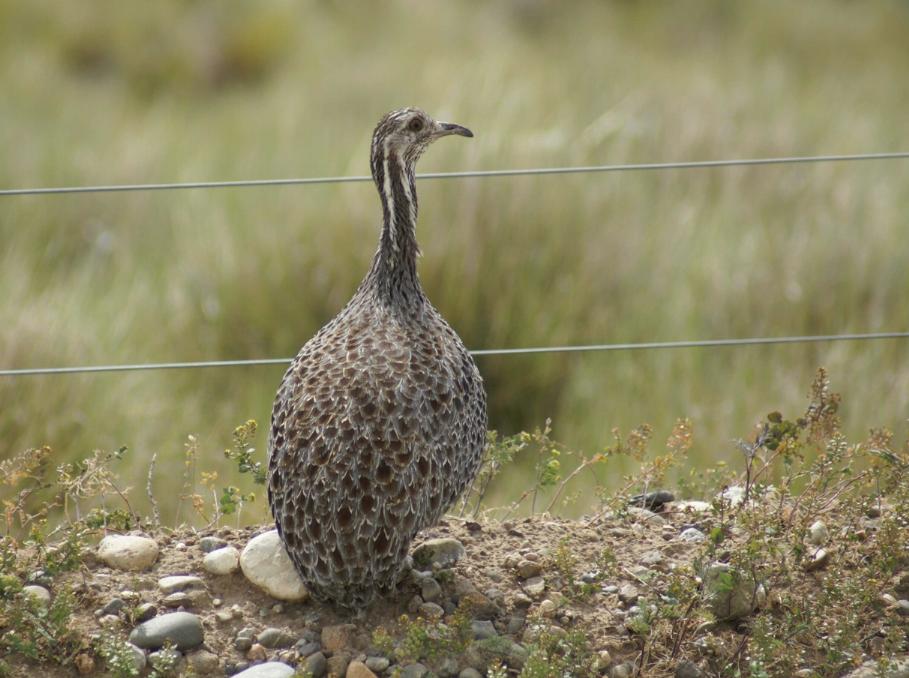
x: 402, y: 136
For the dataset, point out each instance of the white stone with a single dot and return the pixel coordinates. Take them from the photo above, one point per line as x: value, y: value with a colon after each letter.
x: 128, y: 552
x: 38, y: 593
x: 817, y: 533
x: 691, y: 505
x: 692, y: 535
x: 267, y: 670
x: 734, y: 494
x: 265, y: 564
x: 222, y: 561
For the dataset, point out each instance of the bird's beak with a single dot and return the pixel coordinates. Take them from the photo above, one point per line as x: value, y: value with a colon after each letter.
x: 446, y: 128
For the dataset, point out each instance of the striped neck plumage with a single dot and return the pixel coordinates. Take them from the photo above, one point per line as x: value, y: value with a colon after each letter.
x: 396, y: 259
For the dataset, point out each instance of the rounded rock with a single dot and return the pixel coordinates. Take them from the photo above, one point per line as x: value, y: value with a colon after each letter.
x: 692, y: 535
x: 203, y: 662
x: 535, y: 586
x: 222, y: 561
x: 359, y: 670
x: 273, y: 637
x: 430, y: 590
x: 338, y: 637
x: 113, y: 606
x: 377, y: 664
x: 267, y: 670
x: 128, y: 552
x: 177, y: 583
x: 547, y: 608
x: 316, y: 665
x: 337, y: 664
x: 37, y: 593
x: 265, y: 564
x: 144, y: 612
x: 482, y: 629
x: 817, y: 533
x: 256, y: 653
x: 182, y: 629
x: 730, y: 593
x: 431, y: 611
x: 416, y: 670
x: 443, y: 552
x: 529, y: 568
x: 138, y: 657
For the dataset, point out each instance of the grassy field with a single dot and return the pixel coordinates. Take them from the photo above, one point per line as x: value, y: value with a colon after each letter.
x: 174, y: 91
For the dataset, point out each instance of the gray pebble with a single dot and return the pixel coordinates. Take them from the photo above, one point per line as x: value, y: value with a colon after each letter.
x: 529, y: 568
x: 443, y: 552
x: 305, y: 648
x: 316, y: 664
x: 377, y: 664
x: 652, y: 558
x: 629, y: 594
x: 209, y: 544
x: 535, y: 586
x: 430, y: 590
x: 687, y: 669
x: 179, y: 599
x: 145, y: 611
x: 272, y: 637
x: 242, y: 643
x: 337, y: 663
x: 515, y: 625
x: 139, y: 658
x: 652, y: 500
x: 181, y: 628
x: 179, y: 583
x: 113, y: 606
x: 447, y: 668
x: 431, y: 611
x: 414, y: 671
x: 483, y: 629
x: 203, y: 662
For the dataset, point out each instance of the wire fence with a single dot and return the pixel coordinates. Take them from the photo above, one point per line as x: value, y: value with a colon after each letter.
x: 586, y: 169
x: 703, y: 343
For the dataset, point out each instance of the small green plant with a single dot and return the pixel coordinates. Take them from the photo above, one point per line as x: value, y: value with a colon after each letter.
x: 560, y: 656
x: 433, y: 640
x: 117, y: 655
x: 31, y: 629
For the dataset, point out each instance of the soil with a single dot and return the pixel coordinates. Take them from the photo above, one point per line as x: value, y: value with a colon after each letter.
x: 646, y: 547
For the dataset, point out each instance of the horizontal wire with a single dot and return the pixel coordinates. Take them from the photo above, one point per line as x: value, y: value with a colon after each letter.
x: 703, y: 343
x: 700, y: 164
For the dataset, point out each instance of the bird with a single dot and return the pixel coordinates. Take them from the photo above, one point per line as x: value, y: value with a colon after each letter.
x: 379, y: 423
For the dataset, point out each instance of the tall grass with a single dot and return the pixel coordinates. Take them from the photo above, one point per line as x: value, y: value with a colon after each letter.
x: 176, y: 91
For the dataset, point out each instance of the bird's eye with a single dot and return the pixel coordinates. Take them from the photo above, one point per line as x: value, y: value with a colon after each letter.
x: 415, y: 125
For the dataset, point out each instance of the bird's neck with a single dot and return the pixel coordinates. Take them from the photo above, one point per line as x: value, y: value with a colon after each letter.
x: 394, y: 268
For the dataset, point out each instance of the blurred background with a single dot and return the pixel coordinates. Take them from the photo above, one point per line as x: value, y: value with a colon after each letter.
x: 115, y: 92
